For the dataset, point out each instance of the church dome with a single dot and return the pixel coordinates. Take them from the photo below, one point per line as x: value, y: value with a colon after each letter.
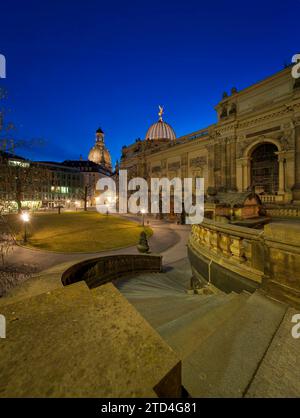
x: 107, y: 158
x: 99, y: 154
x: 95, y: 155
x: 161, y: 129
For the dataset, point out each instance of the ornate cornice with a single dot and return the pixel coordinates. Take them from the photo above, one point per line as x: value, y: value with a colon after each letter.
x: 285, y: 110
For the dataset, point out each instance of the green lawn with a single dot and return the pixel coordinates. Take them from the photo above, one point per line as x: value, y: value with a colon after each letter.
x: 78, y: 231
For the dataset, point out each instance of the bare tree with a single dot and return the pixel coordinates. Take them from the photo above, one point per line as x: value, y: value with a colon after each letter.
x: 87, y: 193
x: 8, y: 131
x: 7, y: 237
x: 19, y: 178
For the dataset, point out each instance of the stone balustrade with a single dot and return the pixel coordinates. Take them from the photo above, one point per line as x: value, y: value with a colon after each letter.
x: 283, y: 212
x: 236, y: 258
x: 271, y: 198
x: 234, y: 243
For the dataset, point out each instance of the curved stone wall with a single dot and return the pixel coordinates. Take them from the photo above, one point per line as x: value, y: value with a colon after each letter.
x: 101, y: 270
x: 235, y: 258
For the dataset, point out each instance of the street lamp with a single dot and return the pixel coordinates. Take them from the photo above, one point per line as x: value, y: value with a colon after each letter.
x: 25, y: 218
x: 143, y: 217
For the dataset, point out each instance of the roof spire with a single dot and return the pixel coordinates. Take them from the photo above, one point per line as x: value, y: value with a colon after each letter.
x: 161, y: 112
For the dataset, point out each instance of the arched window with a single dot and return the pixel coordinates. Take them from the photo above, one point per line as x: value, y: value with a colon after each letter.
x: 264, y: 168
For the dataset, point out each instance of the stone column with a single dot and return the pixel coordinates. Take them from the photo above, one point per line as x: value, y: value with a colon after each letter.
x: 281, y: 162
x: 243, y: 174
x: 296, y: 187
x: 184, y: 165
x: 233, y: 184
x: 228, y: 164
x: 223, y: 165
x: 239, y: 174
x: 248, y: 173
x: 289, y: 170
x: 211, y: 165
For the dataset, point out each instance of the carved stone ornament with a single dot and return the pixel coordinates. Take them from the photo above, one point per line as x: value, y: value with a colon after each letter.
x: 174, y: 166
x: 198, y: 161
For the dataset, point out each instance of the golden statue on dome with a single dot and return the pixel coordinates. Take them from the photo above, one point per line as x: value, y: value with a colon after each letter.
x: 161, y: 112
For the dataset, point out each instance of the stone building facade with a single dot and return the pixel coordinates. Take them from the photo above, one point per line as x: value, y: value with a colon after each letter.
x: 91, y: 172
x: 254, y: 145
x: 34, y: 185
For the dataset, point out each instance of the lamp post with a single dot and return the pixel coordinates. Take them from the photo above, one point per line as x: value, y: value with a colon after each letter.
x: 25, y: 218
x: 143, y: 217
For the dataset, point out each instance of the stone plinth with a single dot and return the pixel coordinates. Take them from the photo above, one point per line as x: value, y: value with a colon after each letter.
x: 76, y: 342
x: 282, y: 241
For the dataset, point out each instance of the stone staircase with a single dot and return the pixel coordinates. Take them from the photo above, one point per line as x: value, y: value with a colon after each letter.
x: 74, y: 342
x: 225, y: 341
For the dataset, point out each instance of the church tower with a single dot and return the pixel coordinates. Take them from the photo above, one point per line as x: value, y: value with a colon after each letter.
x: 99, y: 135
x: 99, y: 154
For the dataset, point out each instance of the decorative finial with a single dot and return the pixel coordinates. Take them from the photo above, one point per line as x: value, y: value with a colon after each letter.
x: 161, y: 112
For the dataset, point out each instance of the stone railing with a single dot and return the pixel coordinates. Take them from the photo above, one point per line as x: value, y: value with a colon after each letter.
x: 237, y: 245
x: 271, y: 198
x: 237, y: 258
x: 283, y: 212
x: 98, y: 271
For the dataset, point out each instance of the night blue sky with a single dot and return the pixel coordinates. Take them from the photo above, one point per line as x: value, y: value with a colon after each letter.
x: 75, y: 65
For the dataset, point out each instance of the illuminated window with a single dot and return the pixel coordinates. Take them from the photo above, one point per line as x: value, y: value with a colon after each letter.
x: 17, y: 163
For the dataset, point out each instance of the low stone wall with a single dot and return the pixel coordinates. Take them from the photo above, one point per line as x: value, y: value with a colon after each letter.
x: 235, y: 258
x: 101, y: 270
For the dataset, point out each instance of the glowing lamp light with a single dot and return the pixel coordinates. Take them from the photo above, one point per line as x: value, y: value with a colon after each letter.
x: 25, y: 217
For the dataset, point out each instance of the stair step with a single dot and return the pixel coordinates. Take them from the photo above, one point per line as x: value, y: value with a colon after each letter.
x: 279, y: 373
x: 185, y: 333
x: 178, y: 274
x: 159, y: 311
x: 153, y: 282
x: 224, y: 364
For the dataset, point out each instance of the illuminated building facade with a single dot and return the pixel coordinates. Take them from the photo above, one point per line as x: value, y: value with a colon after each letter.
x: 254, y: 145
